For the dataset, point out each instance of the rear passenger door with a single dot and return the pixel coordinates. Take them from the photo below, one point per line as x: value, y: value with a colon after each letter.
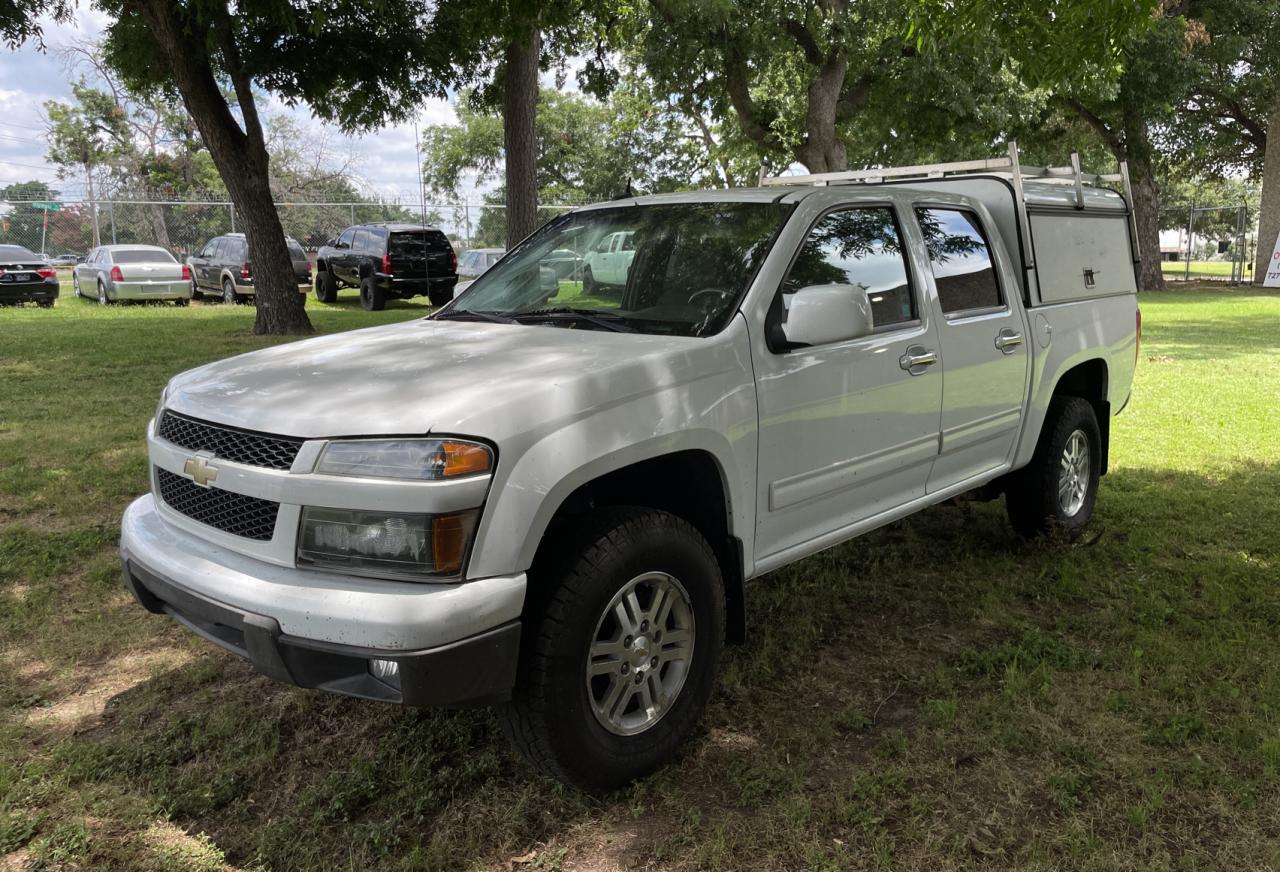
x: 341, y: 262
x: 982, y: 339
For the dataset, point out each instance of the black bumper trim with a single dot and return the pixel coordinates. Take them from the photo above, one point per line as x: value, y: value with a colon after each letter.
x: 478, y: 670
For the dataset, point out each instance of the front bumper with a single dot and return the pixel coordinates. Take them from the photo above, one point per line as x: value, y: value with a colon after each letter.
x: 455, y: 644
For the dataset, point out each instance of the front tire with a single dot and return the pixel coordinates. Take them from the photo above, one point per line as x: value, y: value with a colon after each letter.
x: 372, y: 297
x: 621, y: 658
x: 1057, y: 490
x: 326, y: 287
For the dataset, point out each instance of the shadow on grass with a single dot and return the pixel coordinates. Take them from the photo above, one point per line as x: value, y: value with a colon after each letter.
x: 898, y: 694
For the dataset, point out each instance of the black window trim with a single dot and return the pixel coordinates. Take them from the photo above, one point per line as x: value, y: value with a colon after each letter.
x: 913, y: 285
x: 976, y: 311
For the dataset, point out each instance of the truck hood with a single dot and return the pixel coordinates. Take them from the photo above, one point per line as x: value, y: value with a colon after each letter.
x: 462, y: 378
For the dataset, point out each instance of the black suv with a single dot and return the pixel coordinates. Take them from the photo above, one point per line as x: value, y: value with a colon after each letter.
x: 387, y: 261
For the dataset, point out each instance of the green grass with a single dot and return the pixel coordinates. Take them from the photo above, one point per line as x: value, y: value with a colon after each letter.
x: 934, y: 695
x: 1177, y: 269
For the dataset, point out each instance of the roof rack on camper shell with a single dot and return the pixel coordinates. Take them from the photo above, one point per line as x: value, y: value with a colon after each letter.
x: 1008, y: 168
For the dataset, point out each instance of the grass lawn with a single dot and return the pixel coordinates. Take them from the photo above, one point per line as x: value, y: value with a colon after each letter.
x: 1213, y: 268
x: 934, y: 695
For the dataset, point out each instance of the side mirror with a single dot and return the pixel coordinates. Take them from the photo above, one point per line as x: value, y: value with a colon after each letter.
x: 820, y: 314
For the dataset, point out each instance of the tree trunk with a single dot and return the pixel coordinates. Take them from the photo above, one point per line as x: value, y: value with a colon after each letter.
x: 1146, y: 198
x: 1269, y: 215
x: 240, y: 155
x: 822, y: 151
x: 519, y: 114
x: 1146, y: 214
x: 159, y: 229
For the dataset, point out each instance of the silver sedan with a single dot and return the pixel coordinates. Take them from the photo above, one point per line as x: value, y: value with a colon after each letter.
x: 132, y: 272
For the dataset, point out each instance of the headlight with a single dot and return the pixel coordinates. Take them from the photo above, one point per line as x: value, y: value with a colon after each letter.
x: 416, y: 459
x: 164, y: 395
x: 385, y: 544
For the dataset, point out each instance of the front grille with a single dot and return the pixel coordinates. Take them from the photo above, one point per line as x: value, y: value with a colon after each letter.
x: 241, y: 446
x: 244, y: 516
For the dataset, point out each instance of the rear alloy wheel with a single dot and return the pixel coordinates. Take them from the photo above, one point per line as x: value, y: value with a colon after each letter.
x: 228, y: 292
x: 1056, y: 491
x: 620, y: 660
x: 372, y: 297
x: 75, y: 285
x: 103, y: 299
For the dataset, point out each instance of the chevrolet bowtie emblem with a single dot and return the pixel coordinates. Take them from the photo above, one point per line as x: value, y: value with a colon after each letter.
x: 200, y: 471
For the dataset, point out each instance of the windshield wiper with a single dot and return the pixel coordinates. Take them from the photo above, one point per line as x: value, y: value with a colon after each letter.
x: 472, y: 314
x: 607, y: 320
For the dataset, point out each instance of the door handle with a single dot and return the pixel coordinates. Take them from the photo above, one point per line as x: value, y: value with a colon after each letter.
x: 916, y: 358
x: 1007, y: 340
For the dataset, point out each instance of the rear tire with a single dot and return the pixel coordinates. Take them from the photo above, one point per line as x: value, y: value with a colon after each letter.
x: 440, y: 298
x: 1056, y: 492
x: 589, y: 286
x: 326, y: 287
x: 600, y: 702
x: 229, y: 293
x: 103, y: 299
x: 372, y: 297
x: 181, y: 303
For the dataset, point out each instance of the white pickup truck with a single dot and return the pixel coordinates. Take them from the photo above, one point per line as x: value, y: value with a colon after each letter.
x: 551, y: 502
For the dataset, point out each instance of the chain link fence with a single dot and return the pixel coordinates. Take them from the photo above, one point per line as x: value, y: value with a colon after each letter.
x: 74, y: 227
x: 1208, y: 243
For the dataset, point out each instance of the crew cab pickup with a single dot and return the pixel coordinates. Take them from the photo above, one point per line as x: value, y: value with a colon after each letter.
x: 551, y: 502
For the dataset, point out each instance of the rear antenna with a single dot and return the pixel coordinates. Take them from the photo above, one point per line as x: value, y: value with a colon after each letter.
x: 422, y: 196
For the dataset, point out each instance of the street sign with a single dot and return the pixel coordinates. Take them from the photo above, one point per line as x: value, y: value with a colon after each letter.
x: 47, y: 206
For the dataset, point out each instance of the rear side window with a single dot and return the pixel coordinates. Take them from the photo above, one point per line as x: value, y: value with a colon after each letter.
x: 364, y: 241
x: 961, y: 260
x: 862, y: 248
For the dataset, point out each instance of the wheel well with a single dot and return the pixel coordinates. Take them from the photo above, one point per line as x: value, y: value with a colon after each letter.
x: 687, y: 484
x: 1088, y: 381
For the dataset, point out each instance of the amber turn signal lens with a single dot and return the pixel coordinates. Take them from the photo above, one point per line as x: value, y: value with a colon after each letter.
x: 450, y: 536
x: 465, y: 458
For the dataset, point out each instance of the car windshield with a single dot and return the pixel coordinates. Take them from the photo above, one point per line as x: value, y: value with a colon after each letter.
x: 142, y: 255
x: 666, y: 268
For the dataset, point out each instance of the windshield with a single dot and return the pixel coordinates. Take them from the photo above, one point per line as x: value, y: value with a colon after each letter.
x: 678, y: 269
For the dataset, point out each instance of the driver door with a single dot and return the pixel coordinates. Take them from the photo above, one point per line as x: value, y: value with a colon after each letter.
x: 848, y: 429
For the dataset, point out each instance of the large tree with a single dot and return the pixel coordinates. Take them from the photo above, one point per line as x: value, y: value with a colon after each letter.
x: 286, y: 47
x: 1229, y: 122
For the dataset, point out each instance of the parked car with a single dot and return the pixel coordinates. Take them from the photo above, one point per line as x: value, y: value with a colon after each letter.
x: 387, y: 261
x: 25, y: 278
x: 224, y: 266
x: 609, y: 262
x: 112, y: 273
x: 554, y: 507
x: 475, y: 262
x: 67, y: 260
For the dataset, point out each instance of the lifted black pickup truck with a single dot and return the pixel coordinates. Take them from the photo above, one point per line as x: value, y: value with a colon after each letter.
x: 387, y: 261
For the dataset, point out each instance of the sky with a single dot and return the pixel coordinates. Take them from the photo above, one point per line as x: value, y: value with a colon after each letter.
x: 386, y: 161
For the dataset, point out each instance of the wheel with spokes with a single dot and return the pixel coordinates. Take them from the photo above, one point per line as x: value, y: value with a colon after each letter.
x: 1058, y: 488
x: 621, y: 656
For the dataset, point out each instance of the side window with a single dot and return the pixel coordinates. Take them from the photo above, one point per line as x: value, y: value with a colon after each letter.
x: 627, y: 242
x: 207, y: 251
x: 363, y: 242
x: 344, y: 241
x: 961, y: 260
x: 217, y: 247
x: 860, y: 247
